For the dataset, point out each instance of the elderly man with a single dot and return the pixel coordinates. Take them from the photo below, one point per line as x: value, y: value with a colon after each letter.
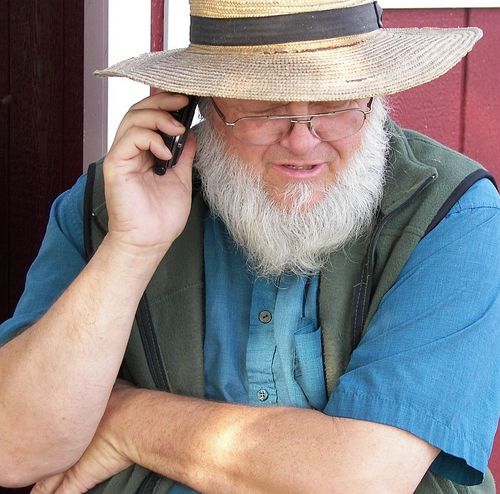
x: 314, y: 309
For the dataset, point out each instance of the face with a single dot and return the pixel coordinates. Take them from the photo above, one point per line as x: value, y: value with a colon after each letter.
x: 299, y: 156
x: 298, y: 238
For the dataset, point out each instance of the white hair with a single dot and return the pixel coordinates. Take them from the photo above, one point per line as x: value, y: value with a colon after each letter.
x: 295, y: 239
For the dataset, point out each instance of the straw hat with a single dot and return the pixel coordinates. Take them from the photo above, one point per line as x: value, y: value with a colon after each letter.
x: 298, y: 50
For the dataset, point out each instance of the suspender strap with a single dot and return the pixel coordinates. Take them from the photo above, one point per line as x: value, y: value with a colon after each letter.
x: 461, y: 189
x: 364, y: 289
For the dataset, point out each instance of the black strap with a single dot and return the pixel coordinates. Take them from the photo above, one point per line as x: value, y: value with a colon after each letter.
x: 461, y: 189
x: 288, y: 28
x: 151, y: 346
x: 363, y: 291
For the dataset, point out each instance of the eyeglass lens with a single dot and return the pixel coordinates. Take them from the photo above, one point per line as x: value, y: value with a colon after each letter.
x: 325, y: 127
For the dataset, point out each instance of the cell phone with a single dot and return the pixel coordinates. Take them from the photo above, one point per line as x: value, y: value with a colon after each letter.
x: 176, y: 143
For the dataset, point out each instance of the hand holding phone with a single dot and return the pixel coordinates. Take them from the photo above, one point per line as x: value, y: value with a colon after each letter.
x: 176, y: 144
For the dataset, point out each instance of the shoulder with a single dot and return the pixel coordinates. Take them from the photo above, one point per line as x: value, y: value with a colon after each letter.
x: 450, y: 165
x: 453, y: 178
x: 67, y: 210
x: 482, y: 194
x: 428, y: 149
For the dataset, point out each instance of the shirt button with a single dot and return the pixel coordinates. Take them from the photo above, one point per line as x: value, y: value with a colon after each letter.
x: 265, y: 316
x: 262, y: 395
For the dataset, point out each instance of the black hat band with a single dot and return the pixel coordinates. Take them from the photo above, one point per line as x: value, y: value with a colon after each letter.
x: 289, y: 28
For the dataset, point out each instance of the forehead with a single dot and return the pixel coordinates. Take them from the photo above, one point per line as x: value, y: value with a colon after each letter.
x: 245, y: 105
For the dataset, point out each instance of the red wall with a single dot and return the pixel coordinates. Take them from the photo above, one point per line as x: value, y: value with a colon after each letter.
x: 462, y: 108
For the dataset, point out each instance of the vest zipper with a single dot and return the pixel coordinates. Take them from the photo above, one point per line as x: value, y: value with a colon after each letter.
x: 158, y: 372
x: 363, y: 290
x: 152, y: 350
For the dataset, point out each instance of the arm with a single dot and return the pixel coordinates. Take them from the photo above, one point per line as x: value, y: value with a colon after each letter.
x: 57, y: 376
x: 248, y: 449
x: 202, y: 443
x: 218, y: 447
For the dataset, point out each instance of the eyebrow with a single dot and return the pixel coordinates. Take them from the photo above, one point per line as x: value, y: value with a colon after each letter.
x: 269, y: 106
x: 266, y: 106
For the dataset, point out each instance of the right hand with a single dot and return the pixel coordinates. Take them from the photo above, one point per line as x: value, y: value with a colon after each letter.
x: 147, y: 211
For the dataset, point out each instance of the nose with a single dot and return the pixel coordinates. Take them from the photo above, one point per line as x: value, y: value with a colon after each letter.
x: 300, y: 139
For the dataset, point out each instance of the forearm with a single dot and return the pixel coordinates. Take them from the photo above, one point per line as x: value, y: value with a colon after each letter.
x: 58, y: 374
x: 216, y: 448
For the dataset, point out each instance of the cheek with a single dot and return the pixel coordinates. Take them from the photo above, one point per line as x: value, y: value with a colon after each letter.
x: 252, y: 156
x: 346, y: 149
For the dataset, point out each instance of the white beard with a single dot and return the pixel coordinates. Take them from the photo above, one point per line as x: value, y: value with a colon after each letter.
x: 297, y: 239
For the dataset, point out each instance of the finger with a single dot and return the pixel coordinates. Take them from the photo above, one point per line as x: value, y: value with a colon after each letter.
x: 48, y: 485
x: 134, y: 142
x: 162, y: 101
x: 150, y: 119
x: 72, y: 484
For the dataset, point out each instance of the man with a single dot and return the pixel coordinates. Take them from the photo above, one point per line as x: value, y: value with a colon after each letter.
x: 322, y: 261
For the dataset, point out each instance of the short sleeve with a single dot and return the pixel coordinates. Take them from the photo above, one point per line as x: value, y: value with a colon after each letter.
x: 60, y: 259
x: 429, y: 362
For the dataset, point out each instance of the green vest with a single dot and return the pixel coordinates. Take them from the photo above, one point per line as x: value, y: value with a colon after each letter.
x: 165, y: 350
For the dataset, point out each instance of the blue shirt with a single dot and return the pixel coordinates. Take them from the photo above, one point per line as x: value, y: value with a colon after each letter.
x: 429, y: 362
x: 262, y: 340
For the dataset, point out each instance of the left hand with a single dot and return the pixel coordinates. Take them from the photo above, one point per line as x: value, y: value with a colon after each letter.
x: 103, y: 458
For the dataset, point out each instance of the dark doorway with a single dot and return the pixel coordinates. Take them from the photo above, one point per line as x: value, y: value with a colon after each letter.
x: 41, y: 126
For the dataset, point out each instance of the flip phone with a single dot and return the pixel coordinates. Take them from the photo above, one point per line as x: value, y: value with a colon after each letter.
x: 176, y: 143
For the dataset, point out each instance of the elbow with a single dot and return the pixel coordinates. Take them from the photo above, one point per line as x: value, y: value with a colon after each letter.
x: 12, y: 475
x: 18, y: 471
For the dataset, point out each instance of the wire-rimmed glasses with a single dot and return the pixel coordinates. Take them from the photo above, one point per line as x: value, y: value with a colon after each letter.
x: 268, y: 129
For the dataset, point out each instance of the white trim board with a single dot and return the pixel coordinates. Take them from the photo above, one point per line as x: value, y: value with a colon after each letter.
x: 129, y: 28
x: 95, y: 100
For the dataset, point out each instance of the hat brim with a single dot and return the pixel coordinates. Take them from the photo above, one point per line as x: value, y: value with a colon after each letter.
x: 386, y: 62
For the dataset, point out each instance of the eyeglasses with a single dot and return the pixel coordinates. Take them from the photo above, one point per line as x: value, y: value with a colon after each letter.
x: 268, y: 129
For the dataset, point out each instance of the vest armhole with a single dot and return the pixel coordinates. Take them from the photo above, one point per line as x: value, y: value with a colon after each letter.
x: 459, y: 191
x: 87, y: 211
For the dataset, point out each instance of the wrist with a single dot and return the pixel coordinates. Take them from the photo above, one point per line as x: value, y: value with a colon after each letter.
x: 134, y: 259
x: 121, y: 244
x: 121, y: 413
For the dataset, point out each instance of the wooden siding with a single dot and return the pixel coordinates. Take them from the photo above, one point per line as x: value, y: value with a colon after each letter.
x: 41, y: 77
x: 5, y: 99
x: 460, y: 109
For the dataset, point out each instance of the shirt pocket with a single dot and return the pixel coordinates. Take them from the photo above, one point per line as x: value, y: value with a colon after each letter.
x: 308, y: 364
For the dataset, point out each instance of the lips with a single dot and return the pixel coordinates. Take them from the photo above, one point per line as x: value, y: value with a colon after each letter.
x: 300, y: 170
x: 300, y: 167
